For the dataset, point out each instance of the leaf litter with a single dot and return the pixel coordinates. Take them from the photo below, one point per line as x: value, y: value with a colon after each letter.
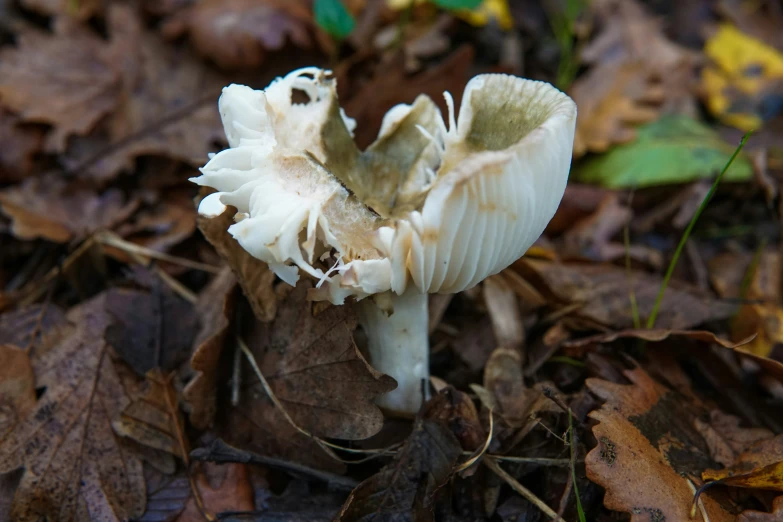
x: 151, y: 369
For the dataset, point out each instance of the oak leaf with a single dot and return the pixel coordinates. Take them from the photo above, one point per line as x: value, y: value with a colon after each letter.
x: 66, y: 80
x: 761, y: 466
x: 75, y: 467
x: 646, y: 449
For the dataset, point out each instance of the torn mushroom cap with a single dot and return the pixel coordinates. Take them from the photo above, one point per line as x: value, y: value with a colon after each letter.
x: 425, y: 205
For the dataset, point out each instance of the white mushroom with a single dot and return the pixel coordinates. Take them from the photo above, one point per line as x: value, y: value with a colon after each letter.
x: 425, y: 209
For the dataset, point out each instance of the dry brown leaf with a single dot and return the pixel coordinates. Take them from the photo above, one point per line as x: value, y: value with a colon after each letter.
x: 159, y: 228
x: 38, y: 327
x: 17, y: 387
x: 238, y: 33
x: 75, y: 467
x: 503, y: 378
x: 611, y: 100
x: 66, y: 80
x: 253, y: 275
x: 504, y: 312
x: 761, y: 466
x: 231, y: 492
x: 315, y: 369
x: 215, y: 308
x: 759, y: 516
x: 154, y: 419
x: 167, y: 104
x: 20, y: 143
x: 726, y: 438
x: 52, y: 209
x: 406, y: 488
x: 454, y: 409
x: 591, y: 236
x: 604, y: 294
x: 152, y: 326
x: 653, y: 335
x: 81, y: 10
x: 646, y: 449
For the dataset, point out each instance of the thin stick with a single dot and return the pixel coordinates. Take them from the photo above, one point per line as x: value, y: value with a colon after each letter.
x: 670, y: 270
x: 522, y: 490
x: 111, y: 239
x: 475, y: 458
x: 531, y: 460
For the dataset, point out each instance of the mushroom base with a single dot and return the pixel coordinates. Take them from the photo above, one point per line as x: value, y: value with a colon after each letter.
x: 398, y: 344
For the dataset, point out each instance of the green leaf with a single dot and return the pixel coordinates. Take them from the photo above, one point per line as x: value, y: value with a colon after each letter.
x: 674, y: 149
x: 457, y: 4
x: 334, y: 18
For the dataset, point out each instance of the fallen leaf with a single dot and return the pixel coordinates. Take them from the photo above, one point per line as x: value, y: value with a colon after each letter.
x: 239, y: 33
x: 503, y: 378
x: 38, y: 327
x: 234, y: 492
x: 166, y: 495
x: 215, y: 309
x: 591, y: 236
x: 21, y: 143
x: 646, y: 447
x: 159, y: 228
x: 81, y: 10
x: 674, y: 149
x: 405, y: 490
x: 455, y: 410
x: 152, y: 326
x: 75, y: 467
x: 167, y: 104
x: 654, y: 335
x: 612, y: 99
x: 603, y: 292
x: 725, y: 438
x: 66, y: 80
x: 17, y: 387
x: 759, y: 516
x: 253, y: 275
x: 504, y: 312
x: 761, y: 21
x: 743, y: 80
x: 52, y: 209
x: 315, y: 369
x: 153, y: 419
x: 761, y: 466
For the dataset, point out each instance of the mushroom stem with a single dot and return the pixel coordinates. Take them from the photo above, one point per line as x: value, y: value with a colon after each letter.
x: 398, y: 343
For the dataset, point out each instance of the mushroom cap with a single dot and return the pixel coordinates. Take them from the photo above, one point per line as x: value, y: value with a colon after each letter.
x: 428, y: 205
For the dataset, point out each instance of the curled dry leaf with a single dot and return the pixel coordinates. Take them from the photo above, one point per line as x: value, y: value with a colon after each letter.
x: 503, y: 378
x: 604, y: 290
x: 504, y: 312
x: 52, y: 209
x: 253, y: 275
x: 163, y: 109
x: 406, y: 488
x: 75, y: 467
x: 761, y: 466
x: 66, y: 80
x: 455, y: 409
x: 214, y: 308
x: 646, y: 449
x: 654, y: 335
x: 231, y: 492
x: 238, y: 33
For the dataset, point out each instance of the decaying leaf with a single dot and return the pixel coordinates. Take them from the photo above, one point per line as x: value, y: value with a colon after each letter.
x: 66, y: 80
x: 743, y: 80
x: 504, y: 312
x: 604, y: 290
x: 456, y: 410
x: 503, y: 378
x: 759, y: 516
x: 238, y: 33
x: 154, y: 418
x: 152, y: 326
x: 761, y: 466
x: 214, y: 308
x: 253, y: 275
x: 38, y: 327
x: 81, y: 10
x: 646, y: 449
x: 315, y: 369
x: 17, y: 387
x: 405, y: 489
x: 75, y: 467
x: 52, y: 209
x: 655, y: 335
x: 166, y: 104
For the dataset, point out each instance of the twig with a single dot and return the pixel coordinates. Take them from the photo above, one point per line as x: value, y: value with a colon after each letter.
x: 468, y: 463
x: 220, y: 452
x: 112, y: 239
x: 522, y: 490
x: 552, y: 395
x: 531, y: 460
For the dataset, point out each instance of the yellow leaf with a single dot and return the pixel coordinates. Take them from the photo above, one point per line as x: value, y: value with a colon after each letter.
x: 742, y: 75
x: 765, y: 320
x: 488, y: 10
